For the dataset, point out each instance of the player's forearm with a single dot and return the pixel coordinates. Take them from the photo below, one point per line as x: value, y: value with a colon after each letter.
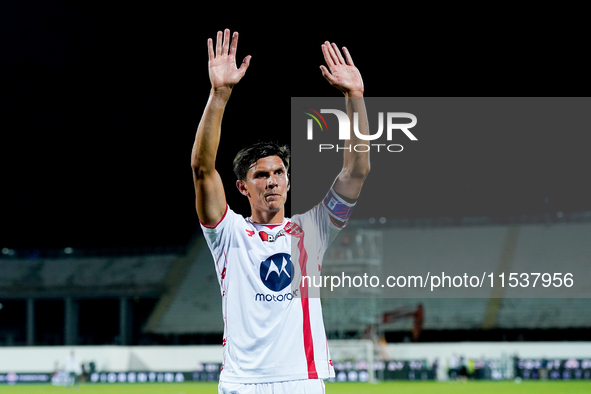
x: 208, y: 134
x: 356, y: 163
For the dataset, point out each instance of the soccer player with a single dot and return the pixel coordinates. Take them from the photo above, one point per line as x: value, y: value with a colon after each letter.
x: 274, y: 338
x: 73, y: 369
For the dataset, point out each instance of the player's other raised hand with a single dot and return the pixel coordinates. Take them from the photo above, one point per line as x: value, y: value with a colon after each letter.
x: 223, y: 72
x: 341, y: 72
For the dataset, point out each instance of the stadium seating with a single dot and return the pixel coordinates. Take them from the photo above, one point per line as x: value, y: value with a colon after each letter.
x: 94, y: 275
x: 194, y: 304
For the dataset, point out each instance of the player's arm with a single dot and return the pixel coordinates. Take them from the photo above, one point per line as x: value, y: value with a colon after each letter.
x: 343, y: 75
x: 223, y: 75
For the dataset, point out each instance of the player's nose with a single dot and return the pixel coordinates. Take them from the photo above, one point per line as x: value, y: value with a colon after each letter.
x: 272, y: 181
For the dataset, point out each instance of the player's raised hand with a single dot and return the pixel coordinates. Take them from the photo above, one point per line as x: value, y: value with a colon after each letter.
x: 341, y: 72
x: 223, y: 72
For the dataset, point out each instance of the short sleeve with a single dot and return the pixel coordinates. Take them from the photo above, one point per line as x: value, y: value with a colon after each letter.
x: 219, y: 238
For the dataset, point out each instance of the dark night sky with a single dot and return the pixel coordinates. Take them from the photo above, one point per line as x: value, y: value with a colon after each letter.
x: 100, y: 105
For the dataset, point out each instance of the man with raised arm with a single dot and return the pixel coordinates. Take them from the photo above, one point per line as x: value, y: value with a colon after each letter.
x: 274, y: 338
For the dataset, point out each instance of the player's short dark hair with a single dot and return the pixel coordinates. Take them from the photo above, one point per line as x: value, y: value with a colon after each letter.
x: 251, y: 154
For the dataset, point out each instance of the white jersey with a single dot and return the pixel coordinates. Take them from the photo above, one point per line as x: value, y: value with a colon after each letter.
x: 72, y: 365
x: 272, y: 331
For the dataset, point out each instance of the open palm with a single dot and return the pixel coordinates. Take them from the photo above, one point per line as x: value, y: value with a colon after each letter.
x: 343, y: 74
x: 223, y: 72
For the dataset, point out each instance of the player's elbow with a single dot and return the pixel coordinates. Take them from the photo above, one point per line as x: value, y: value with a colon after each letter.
x: 202, y: 165
x: 196, y: 166
x: 201, y: 162
x: 360, y: 170
x: 196, y: 163
x: 201, y: 171
x: 354, y: 174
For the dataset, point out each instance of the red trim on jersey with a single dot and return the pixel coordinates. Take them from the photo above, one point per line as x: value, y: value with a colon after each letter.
x: 226, y: 334
x: 329, y: 363
x: 337, y: 224
x: 223, y: 273
x: 272, y: 226
x: 225, y: 314
x: 308, y: 340
x: 217, y: 265
x: 206, y: 226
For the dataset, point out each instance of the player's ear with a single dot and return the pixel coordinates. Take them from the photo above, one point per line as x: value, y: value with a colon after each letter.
x: 242, y: 187
x: 288, y: 183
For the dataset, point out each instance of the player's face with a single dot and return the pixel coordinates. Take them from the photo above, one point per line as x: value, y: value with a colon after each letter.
x: 266, y: 184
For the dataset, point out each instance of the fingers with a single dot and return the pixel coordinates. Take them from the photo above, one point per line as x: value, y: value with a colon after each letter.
x: 218, y: 44
x: 326, y: 74
x: 332, y: 52
x: 226, y: 42
x: 234, y: 44
x: 333, y: 56
x: 245, y: 64
x: 348, y: 57
x: 327, y: 56
x: 223, y: 44
x: 338, y: 53
x: 210, y: 49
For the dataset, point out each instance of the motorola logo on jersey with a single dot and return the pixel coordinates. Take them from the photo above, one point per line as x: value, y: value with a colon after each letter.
x: 277, y: 271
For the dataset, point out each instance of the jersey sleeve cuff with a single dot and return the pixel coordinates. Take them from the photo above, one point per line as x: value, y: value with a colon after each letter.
x: 337, y: 223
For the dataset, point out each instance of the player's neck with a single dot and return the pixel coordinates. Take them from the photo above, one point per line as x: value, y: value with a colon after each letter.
x: 266, y: 217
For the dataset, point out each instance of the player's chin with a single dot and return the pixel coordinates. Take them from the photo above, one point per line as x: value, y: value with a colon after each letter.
x: 275, y: 206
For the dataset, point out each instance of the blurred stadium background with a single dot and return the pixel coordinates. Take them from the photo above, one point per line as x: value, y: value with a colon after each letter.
x: 100, y: 252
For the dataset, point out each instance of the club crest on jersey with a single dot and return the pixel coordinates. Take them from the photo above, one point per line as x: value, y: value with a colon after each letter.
x: 270, y: 237
x: 277, y: 271
x: 293, y: 229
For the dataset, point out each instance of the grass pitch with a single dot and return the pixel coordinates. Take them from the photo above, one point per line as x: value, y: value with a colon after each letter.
x: 486, y: 387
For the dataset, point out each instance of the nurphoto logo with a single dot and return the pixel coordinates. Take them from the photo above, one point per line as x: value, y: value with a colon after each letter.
x: 345, y: 130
